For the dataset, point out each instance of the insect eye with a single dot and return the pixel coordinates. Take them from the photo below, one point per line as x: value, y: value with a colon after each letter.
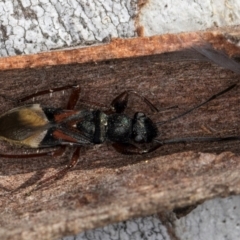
x: 138, y: 138
x: 140, y: 115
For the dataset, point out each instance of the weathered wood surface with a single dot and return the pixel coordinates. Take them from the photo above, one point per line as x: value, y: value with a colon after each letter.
x: 226, y: 39
x: 106, y: 186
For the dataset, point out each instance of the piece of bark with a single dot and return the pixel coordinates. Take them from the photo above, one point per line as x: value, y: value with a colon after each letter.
x: 106, y: 186
x: 125, y: 48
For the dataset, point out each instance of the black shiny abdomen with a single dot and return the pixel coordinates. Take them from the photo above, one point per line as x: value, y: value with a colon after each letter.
x: 95, y: 127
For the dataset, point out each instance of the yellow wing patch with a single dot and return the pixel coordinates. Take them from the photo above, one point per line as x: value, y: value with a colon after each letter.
x: 26, y: 125
x: 33, y: 116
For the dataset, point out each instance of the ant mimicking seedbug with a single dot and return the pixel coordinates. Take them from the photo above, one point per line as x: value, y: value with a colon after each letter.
x: 35, y: 126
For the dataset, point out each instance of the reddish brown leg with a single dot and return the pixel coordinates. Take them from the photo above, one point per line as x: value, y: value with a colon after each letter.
x: 39, y: 174
x: 73, y: 97
x: 31, y: 181
x: 56, y: 153
x: 130, y: 149
x: 59, y: 152
x: 49, y: 91
x: 119, y: 103
x: 63, y: 172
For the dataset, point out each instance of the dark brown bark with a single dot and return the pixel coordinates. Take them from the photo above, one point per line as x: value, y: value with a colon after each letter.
x: 106, y: 186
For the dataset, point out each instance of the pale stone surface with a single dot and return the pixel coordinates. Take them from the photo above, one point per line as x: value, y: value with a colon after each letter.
x: 215, y: 219
x: 158, y: 17
x: 35, y: 26
x: 149, y: 228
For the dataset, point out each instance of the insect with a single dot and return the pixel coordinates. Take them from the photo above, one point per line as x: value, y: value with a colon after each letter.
x: 35, y: 126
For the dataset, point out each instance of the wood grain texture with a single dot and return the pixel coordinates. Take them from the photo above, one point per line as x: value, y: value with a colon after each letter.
x: 106, y: 186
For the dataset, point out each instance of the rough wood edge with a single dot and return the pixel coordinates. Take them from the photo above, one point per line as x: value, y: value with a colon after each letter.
x: 124, y: 48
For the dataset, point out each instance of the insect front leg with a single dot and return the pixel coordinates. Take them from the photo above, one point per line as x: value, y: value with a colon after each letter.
x: 119, y: 103
x: 130, y: 149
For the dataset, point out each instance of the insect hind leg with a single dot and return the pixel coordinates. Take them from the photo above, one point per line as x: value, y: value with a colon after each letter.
x: 23, y: 156
x: 71, y: 102
x: 73, y: 162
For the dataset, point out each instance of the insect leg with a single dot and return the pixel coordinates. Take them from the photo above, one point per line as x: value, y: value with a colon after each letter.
x: 55, y: 153
x: 130, y: 149
x: 49, y: 91
x: 63, y: 172
x: 73, y: 97
x: 39, y: 174
x: 119, y: 103
x: 31, y: 155
x: 58, y: 152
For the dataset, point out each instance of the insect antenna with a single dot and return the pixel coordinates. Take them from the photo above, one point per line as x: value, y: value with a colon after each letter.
x: 196, y: 139
x: 198, y: 106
